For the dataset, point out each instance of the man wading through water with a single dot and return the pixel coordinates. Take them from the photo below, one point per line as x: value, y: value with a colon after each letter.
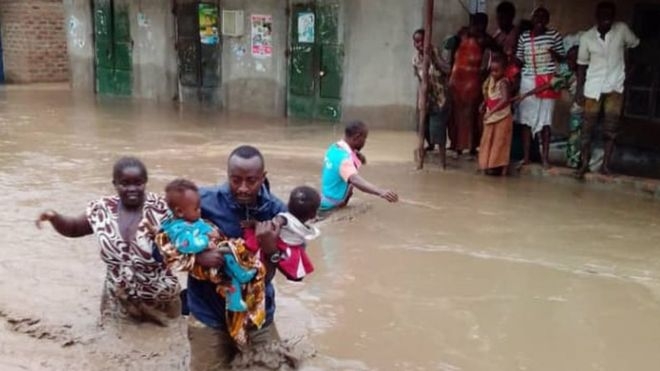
x: 245, y: 197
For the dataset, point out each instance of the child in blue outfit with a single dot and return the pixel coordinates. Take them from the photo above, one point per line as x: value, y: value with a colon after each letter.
x: 190, y: 235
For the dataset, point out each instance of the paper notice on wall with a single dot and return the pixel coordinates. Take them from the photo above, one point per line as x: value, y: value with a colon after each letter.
x: 262, y: 36
x: 306, y: 28
x: 142, y: 20
x: 208, y: 24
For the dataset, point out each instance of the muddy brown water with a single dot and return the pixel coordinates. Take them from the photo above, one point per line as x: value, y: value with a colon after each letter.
x: 466, y: 273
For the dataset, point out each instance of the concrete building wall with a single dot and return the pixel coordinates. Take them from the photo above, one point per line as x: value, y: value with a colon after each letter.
x: 33, y: 41
x: 379, y: 85
x: 250, y: 84
x: 155, y: 71
x: 154, y: 55
x: 80, y: 44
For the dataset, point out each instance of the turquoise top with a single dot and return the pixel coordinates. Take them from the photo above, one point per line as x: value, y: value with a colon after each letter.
x: 188, y: 238
x: 339, y: 165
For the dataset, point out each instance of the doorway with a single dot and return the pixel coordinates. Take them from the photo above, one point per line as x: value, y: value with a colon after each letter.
x: 316, y: 55
x: 198, y: 48
x: 113, y: 47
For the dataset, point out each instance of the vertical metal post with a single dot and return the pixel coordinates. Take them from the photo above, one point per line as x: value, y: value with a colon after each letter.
x: 423, y: 96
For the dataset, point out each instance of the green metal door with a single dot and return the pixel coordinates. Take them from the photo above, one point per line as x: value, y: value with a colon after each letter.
x: 113, y: 48
x: 316, y: 59
x: 123, y: 48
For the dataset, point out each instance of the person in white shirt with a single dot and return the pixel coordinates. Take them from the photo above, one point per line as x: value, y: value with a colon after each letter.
x: 601, y: 78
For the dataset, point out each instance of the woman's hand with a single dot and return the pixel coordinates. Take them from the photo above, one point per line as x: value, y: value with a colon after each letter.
x: 46, y: 216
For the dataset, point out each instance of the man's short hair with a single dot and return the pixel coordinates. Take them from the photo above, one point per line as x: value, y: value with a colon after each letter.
x: 247, y: 152
x: 354, y: 128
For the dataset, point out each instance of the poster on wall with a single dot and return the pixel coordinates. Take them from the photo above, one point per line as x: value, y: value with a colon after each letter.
x: 208, y: 24
x: 306, y: 28
x: 262, y: 36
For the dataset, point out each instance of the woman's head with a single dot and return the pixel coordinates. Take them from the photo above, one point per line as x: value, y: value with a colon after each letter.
x: 540, y: 19
x: 182, y: 198
x: 478, y: 23
x: 304, y: 202
x: 129, y: 176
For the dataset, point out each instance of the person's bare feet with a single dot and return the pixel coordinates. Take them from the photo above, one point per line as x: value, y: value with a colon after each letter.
x: 604, y: 170
x: 443, y: 159
x: 581, y: 173
x: 546, y: 165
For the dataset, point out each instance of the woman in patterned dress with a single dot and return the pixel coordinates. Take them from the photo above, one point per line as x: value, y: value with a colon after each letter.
x: 136, y: 285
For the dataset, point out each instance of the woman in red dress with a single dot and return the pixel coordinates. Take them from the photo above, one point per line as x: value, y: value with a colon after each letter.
x: 465, y: 84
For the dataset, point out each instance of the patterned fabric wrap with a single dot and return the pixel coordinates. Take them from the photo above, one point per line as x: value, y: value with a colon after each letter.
x: 238, y: 323
x: 132, y: 275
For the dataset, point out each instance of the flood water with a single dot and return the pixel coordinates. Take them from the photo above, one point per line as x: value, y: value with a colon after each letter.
x: 466, y: 273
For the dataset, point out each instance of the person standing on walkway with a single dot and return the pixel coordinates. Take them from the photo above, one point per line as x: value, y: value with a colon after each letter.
x: 340, y: 170
x: 437, y: 100
x: 465, y: 83
x: 507, y: 32
x: 539, y: 51
x: 601, y: 79
x: 495, y: 148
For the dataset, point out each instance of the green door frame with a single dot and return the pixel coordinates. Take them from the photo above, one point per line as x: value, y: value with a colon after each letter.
x: 315, y: 62
x: 113, y: 48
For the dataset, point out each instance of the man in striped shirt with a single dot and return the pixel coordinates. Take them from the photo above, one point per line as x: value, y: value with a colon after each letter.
x: 538, y: 51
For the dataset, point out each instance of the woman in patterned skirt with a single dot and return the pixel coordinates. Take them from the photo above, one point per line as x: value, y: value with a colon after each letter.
x: 137, y: 285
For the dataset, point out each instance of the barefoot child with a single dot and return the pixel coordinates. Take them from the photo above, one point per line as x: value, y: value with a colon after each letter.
x: 498, y: 120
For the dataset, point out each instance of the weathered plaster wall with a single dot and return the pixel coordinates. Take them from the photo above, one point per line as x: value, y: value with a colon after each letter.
x: 155, y: 72
x: 252, y: 84
x: 379, y: 86
x: 154, y: 56
x: 80, y: 45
